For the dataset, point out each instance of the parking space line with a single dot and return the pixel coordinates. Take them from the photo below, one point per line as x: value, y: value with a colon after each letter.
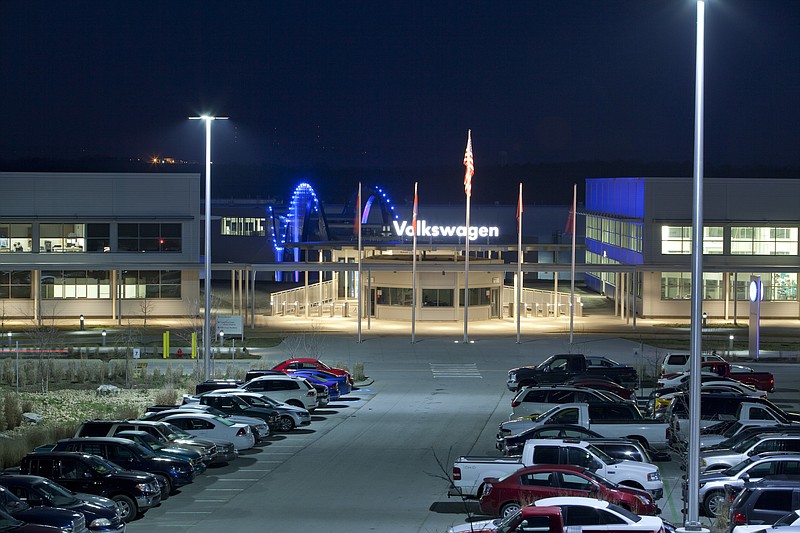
x: 187, y: 512
x: 238, y: 479
x: 219, y: 489
x: 211, y: 501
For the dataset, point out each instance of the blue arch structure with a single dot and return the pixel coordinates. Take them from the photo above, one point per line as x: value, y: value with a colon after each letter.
x: 305, y: 220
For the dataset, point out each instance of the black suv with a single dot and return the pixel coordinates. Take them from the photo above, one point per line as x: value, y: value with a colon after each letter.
x: 765, y: 501
x: 46, y: 516
x: 171, y: 472
x: 100, y: 513
x: 233, y: 405
x: 214, y: 384
x: 134, y: 492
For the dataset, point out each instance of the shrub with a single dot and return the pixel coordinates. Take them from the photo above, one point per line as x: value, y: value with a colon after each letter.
x: 13, y: 450
x: 12, y: 411
x: 166, y: 396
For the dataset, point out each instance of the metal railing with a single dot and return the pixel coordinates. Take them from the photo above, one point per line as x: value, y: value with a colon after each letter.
x: 541, y: 303
x: 294, y: 301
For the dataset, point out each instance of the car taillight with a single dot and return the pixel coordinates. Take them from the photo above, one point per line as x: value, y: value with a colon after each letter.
x: 739, y: 519
x: 515, y: 403
x: 312, y: 392
x: 456, y: 473
x: 242, y: 432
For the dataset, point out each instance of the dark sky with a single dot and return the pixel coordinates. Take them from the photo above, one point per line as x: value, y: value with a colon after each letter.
x: 379, y: 83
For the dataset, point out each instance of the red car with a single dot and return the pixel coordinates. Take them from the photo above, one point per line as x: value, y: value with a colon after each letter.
x: 502, y: 497
x: 300, y: 363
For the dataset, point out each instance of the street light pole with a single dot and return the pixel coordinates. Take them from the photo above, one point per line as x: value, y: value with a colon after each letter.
x: 207, y: 311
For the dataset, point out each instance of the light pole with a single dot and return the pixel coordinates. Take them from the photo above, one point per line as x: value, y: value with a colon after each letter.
x: 81, y: 322
x: 730, y: 344
x: 693, y: 465
x: 104, y: 338
x: 221, y: 341
x: 9, y: 339
x: 208, y: 119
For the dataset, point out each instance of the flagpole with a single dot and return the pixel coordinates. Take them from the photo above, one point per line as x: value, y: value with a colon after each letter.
x: 572, y: 270
x: 414, y: 268
x: 358, y: 287
x: 470, y: 164
x: 519, y: 261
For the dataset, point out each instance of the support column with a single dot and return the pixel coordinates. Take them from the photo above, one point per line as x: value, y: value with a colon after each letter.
x: 246, y: 275
x: 726, y: 293
x: 240, y: 307
x: 625, y: 296
x: 233, y: 291
x: 616, y: 293
x: 113, y: 282
x: 305, y: 293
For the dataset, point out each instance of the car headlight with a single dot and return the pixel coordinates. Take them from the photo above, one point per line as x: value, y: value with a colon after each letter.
x: 654, y: 476
x: 100, y: 522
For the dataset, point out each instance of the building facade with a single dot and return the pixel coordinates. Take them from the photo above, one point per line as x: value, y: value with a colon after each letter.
x: 750, y: 228
x: 99, y: 245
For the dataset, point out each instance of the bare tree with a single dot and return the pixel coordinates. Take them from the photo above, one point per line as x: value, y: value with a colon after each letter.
x: 146, y: 308
x: 44, y: 336
x: 306, y: 343
x: 129, y: 338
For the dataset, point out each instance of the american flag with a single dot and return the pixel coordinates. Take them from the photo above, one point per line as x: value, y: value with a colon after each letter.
x: 414, y: 212
x: 470, y: 164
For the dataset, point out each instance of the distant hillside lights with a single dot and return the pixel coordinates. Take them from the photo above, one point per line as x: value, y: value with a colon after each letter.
x: 424, y: 230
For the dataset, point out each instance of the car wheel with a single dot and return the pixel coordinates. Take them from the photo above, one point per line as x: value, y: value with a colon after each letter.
x: 509, y: 509
x: 166, y: 485
x: 713, y: 503
x: 286, y: 423
x: 127, y: 507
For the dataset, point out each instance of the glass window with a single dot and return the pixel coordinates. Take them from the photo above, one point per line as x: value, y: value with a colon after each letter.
x: 15, y: 238
x: 15, y: 284
x: 67, y: 284
x: 437, y: 297
x: 150, y: 284
x: 778, y: 286
x: 394, y: 296
x: 678, y: 240
x: 248, y: 227
x: 54, y: 238
x: 763, y: 240
x: 98, y: 237
x: 477, y: 296
x: 149, y: 237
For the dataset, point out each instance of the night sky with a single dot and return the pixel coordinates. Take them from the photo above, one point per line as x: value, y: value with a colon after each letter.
x: 388, y: 84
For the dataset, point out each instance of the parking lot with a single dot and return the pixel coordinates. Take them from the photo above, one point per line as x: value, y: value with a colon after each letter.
x: 378, y: 460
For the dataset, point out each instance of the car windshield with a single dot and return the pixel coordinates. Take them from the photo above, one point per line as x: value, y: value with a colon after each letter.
x: 224, y: 421
x: 600, y: 479
x: 9, y: 501
x: 8, y: 522
x: 603, y: 456
x: 735, y: 469
x: 546, y: 414
x: 58, y: 495
x: 624, y: 512
x: 787, y: 520
x: 732, y: 430
x: 177, y: 433
x: 142, y: 450
x: 746, y: 443
x: 256, y: 401
x: 100, y: 465
x: 147, y: 440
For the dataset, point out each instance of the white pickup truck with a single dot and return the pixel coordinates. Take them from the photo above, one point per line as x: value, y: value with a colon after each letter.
x: 611, y: 420
x: 469, y: 472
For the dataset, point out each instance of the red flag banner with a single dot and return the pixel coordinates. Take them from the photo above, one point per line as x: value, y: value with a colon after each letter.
x: 356, y: 217
x: 470, y: 164
x: 569, y: 229
x: 519, y: 210
x: 414, y: 212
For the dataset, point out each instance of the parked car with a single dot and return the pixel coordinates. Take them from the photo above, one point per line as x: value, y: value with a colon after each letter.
x: 790, y: 519
x: 713, y: 484
x: 101, y: 514
x: 738, y: 432
x: 260, y: 429
x: 71, y: 521
x: 153, y: 444
x: 10, y: 524
x: 290, y: 416
x: 755, y: 445
x: 505, y: 496
x: 679, y: 362
x: 213, y: 384
x: 300, y: 363
x: 204, y: 425
x: 323, y: 376
x: 660, y: 398
x: 170, y: 472
x: 558, y: 369
x: 764, y: 502
x: 293, y: 390
x: 602, y: 383
x: 513, y: 444
x: 529, y: 518
x: 213, y: 451
x: 535, y: 400
x: 238, y: 410
x: 134, y: 492
x: 587, y: 512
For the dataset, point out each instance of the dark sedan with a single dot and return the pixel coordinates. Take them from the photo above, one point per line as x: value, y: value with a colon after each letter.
x: 101, y: 513
x: 502, y: 497
x: 9, y: 524
x: 513, y: 444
